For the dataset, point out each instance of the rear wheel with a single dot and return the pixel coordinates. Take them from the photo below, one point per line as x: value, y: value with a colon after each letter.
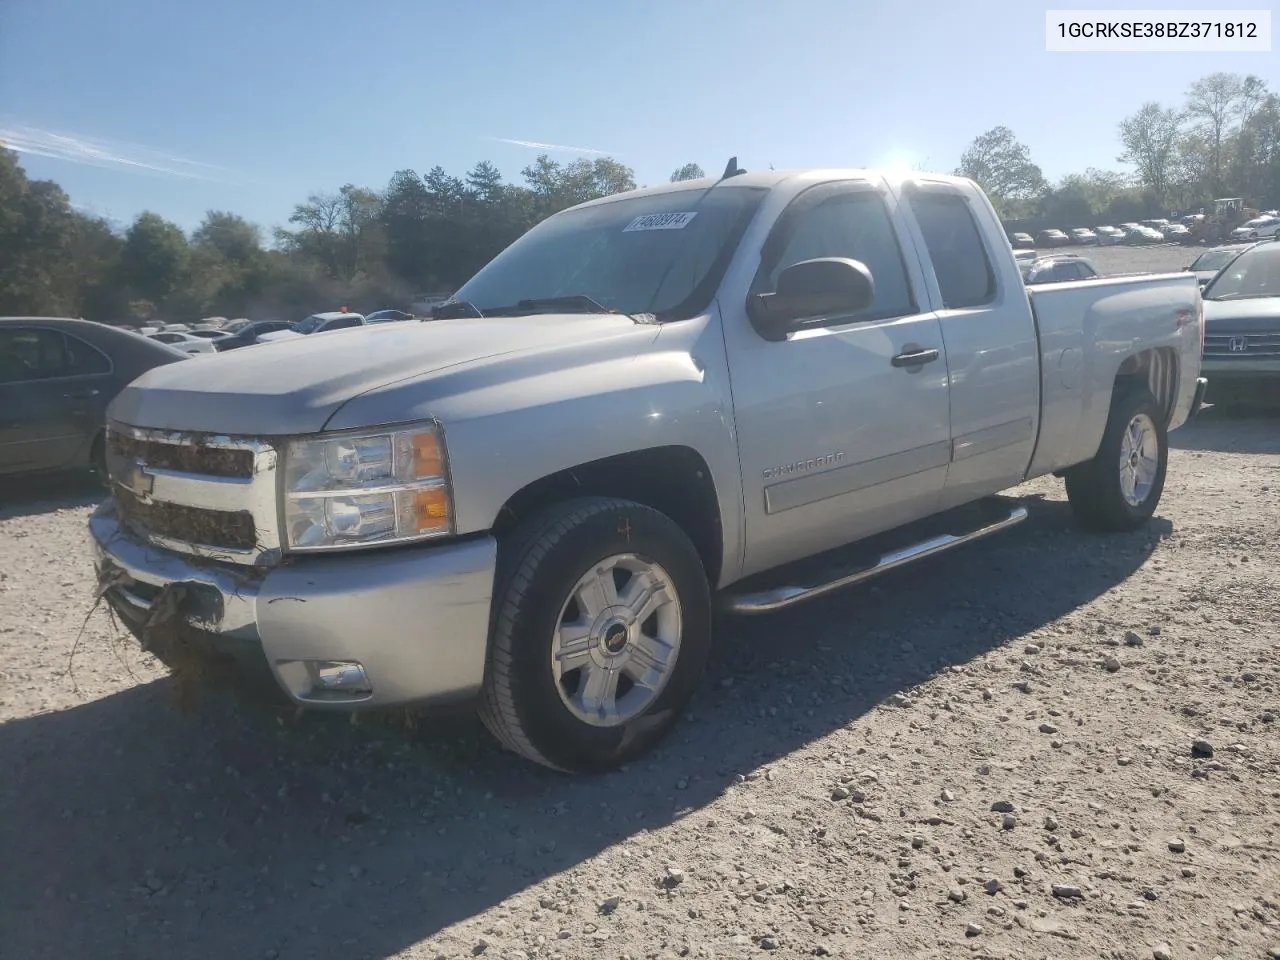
x: 601, y: 631
x: 1120, y: 487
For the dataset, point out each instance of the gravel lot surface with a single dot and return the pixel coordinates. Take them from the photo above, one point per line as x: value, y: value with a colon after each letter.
x: 1047, y: 744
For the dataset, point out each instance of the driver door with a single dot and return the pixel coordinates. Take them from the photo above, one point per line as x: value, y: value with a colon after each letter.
x: 838, y: 438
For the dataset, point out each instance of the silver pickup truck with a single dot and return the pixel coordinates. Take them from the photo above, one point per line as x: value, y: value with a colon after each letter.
x: 747, y: 391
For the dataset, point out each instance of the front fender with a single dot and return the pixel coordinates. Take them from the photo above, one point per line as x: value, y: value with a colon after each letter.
x: 514, y: 421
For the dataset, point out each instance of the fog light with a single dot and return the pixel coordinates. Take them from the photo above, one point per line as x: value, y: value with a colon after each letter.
x: 328, y: 680
x: 345, y: 675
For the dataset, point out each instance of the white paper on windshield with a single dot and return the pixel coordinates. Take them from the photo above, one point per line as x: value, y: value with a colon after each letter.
x: 660, y: 221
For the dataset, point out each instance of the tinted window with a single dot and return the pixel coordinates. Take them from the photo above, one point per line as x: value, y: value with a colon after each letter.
x: 341, y: 323
x: 27, y: 354
x: 84, y: 360
x: 855, y: 225
x: 965, y: 277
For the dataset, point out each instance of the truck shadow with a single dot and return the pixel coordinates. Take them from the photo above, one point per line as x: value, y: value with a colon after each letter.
x: 1216, y: 431
x: 31, y: 496
x: 132, y: 829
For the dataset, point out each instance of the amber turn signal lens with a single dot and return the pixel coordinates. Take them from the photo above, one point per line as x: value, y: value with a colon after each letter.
x: 428, y: 459
x: 430, y: 509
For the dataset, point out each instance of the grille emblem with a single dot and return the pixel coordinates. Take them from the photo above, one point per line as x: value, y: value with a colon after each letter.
x: 137, y: 480
x: 1237, y: 344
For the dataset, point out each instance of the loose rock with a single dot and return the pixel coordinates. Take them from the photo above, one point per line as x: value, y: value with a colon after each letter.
x: 1048, y: 728
x: 973, y: 930
x: 1178, y: 845
x: 1065, y: 891
x: 1202, y: 749
x: 1111, y: 664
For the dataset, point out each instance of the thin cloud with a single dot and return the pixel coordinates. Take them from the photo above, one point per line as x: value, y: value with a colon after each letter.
x: 101, y: 153
x: 559, y: 147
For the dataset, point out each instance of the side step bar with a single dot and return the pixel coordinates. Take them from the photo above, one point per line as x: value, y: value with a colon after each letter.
x: 783, y: 596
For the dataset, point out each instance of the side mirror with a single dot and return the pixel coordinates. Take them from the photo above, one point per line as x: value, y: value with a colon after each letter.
x: 811, y: 290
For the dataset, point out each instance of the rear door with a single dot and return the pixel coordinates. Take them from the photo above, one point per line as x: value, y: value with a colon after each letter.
x: 838, y: 438
x: 991, y: 343
x: 49, y: 398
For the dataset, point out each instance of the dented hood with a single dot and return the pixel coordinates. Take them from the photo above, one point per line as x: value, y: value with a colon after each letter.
x: 295, y: 385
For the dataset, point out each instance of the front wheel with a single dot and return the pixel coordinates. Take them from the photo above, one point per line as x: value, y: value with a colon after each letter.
x: 1120, y: 487
x: 601, y: 631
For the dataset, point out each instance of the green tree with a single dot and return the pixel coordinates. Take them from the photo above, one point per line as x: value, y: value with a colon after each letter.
x: 1002, y: 166
x: 690, y: 171
x: 153, y: 258
x: 233, y: 237
x: 1150, y: 139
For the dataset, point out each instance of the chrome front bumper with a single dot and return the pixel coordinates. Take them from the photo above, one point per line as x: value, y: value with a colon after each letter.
x: 415, y: 619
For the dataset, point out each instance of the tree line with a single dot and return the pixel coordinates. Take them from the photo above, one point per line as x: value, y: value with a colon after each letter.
x: 1222, y: 140
x: 429, y: 232
x: 357, y: 247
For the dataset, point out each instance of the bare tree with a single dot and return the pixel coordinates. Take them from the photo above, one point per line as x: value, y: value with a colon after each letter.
x: 1150, y: 138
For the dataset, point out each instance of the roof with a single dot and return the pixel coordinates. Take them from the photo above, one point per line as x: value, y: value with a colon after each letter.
x: 768, y: 179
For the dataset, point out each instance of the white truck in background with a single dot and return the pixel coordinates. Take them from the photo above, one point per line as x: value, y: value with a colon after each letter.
x: 749, y: 390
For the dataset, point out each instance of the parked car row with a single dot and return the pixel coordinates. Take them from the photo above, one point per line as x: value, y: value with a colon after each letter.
x: 1147, y: 231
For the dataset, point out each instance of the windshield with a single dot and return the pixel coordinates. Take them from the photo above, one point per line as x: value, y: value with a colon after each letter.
x: 308, y: 325
x: 1255, y: 273
x: 1213, y: 260
x: 662, y: 254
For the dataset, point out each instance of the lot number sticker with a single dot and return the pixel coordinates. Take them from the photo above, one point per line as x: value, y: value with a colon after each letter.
x: 660, y: 221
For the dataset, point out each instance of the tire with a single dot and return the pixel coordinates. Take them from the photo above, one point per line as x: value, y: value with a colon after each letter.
x: 1099, y: 490
x: 539, y: 709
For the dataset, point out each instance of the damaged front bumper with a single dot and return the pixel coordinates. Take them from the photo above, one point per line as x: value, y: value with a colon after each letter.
x: 344, y: 631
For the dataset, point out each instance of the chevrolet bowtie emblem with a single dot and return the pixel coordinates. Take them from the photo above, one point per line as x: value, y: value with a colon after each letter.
x: 137, y: 481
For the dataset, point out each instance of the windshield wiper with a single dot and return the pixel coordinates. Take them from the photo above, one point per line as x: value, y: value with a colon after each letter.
x: 453, y: 309
x: 578, y: 302
x: 1244, y: 296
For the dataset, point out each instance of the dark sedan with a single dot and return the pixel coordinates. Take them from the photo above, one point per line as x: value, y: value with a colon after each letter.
x: 247, y: 334
x: 56, y: 378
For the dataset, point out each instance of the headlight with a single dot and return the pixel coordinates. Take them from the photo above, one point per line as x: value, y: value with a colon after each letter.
x: 353, y: 489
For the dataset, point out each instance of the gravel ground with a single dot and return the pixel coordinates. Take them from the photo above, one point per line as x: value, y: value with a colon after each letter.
x: 1047, y: 744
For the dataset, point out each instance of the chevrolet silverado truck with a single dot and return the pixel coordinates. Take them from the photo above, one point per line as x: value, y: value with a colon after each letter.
x: 746, y: 391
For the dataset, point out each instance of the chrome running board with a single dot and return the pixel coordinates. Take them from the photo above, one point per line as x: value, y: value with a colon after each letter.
x: 1009, y: 513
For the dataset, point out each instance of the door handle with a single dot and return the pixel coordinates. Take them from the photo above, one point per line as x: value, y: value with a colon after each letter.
x: 915, y: 358
x: 81, y: 395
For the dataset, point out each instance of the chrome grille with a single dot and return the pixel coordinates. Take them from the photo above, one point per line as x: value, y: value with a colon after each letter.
x: 1243, y: 345
x: 201, y: 494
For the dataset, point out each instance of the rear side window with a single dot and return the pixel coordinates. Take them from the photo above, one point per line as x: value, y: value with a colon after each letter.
x: 84, y: 360
x: 954, y: 242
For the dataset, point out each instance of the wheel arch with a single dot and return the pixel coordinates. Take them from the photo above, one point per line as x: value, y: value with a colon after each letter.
x: 675, y: 480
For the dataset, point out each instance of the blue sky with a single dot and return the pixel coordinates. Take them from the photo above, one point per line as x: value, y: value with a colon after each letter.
x: 250, y: 106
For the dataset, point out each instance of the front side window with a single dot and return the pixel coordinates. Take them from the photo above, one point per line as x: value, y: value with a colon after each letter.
x: 31, y: 354
x: 954, y: 242
x: 854, y: 225
x: 662, y: 254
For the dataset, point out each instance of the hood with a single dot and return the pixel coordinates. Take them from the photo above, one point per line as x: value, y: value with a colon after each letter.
x: 1244, y: 316
x: 295, y: 385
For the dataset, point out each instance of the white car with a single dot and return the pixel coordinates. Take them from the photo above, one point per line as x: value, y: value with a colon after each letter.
x: 185, y: 342
x: 1257, y: 229
x: 316, y: 323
